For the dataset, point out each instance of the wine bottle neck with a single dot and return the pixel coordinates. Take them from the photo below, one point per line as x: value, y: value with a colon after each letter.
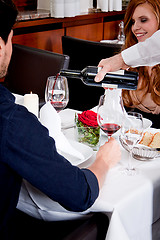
x: 70, y: 73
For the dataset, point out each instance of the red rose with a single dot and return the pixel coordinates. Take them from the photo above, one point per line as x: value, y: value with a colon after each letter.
x: 88, y: 118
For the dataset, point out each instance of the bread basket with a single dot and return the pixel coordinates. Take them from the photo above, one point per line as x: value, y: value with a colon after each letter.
x: 141, y: 152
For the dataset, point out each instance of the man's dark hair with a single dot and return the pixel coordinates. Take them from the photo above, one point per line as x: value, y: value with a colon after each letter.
x: 8, y: 15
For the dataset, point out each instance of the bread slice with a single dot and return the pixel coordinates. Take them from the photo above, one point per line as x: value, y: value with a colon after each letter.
x: 155, y: 143
x: 147, y: 138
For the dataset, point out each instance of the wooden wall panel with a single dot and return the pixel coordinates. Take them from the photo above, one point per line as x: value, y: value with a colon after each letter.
x: 48, y: 40
x: 111, y: 29
x: 46, y: 33
x: 92, y: 32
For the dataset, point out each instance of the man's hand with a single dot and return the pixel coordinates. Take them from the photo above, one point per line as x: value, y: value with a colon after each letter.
x: 107, y: 157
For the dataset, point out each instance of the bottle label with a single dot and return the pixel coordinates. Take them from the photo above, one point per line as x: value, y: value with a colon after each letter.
x: 119, y: 72
x: 107, y: 85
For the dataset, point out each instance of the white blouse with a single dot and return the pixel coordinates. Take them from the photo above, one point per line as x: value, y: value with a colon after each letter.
x: 145, y: 53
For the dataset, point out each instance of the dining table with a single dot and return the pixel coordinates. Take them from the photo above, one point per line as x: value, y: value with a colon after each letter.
x: 132, y: 203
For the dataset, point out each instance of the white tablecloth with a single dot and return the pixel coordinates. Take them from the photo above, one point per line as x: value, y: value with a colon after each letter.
x: 131, y: 202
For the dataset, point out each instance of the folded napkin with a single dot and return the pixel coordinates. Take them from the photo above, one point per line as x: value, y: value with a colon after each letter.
x: 103, y: 5
x: 67, y: 118
x: 19, y: 99
x: 51, y: 120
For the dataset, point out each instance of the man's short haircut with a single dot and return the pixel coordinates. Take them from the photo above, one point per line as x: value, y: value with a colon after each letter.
x: 8, y: 15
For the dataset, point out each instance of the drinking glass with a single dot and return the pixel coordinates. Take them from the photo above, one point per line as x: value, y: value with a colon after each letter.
x: 110, y: 112
x: 57, y: 92
x: 121, y: 35
x: 131, y: 134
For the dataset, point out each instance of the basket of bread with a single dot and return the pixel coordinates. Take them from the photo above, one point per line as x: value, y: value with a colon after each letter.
x: 148, y: 148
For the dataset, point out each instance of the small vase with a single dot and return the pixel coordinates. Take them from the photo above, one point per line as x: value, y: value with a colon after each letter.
x: 88, y: 135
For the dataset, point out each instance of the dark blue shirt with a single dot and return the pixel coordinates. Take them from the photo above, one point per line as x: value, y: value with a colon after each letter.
x: 27, y: 151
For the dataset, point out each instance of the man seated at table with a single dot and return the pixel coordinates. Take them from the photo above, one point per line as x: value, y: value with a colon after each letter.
x: 28, y: 152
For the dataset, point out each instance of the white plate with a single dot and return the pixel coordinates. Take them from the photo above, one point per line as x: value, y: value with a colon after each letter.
x: 84, y: 149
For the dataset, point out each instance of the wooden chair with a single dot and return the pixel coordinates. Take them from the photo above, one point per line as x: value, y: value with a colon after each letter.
x: 30, y: 67
x: 84, y: 53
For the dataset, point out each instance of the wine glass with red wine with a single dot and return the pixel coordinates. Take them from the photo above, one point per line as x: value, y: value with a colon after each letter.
x: 110, y: 112
x: 57, y: 92
x: 131, y: 134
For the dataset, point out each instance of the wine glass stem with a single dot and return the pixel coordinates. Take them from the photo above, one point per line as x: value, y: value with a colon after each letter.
x: 108, y: 137
x: 130, y: 166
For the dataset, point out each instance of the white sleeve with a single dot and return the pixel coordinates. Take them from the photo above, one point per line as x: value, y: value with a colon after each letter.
x: 145, y: 53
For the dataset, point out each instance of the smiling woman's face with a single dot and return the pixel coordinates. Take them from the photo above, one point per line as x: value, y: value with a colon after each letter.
x: 144, y: 22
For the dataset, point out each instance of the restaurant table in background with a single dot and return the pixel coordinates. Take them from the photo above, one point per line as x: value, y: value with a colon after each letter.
x: 130, y: 202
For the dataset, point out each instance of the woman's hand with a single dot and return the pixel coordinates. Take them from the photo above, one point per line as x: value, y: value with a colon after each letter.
x: 110, y: 65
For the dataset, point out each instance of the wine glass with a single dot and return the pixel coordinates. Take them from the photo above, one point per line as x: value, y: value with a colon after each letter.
x: 110, y: 112
x: 131, y: 134
x: 57, y: 92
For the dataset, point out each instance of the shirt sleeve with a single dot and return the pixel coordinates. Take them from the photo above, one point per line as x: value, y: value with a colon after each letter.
x: 30, y: 151
x: 145, y: 53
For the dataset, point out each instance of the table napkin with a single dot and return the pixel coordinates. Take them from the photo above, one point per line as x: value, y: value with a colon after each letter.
x: 117, y: 5
x: 51, y: 120
x: 67, y: 118
x: 19, y: 99
x: 38, y: 205
x: 109, y: 5
x: 103, y: 5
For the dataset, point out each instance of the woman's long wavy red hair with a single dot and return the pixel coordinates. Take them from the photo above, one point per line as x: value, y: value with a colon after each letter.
x: 130, y: 40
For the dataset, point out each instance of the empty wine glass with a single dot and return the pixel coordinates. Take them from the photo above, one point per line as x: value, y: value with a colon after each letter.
x: 110, y: 112
x: 57, y: 92
x: 131, y: 134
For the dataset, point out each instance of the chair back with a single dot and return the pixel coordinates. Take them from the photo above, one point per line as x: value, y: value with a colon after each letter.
x: 87, y: 53
x: 30, y: 67
x: 84, y: 53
